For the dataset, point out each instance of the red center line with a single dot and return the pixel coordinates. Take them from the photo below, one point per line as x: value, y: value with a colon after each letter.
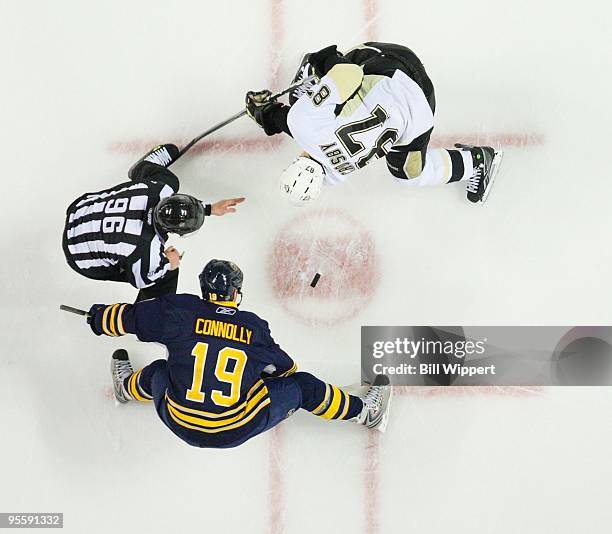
x: 276, y: 451
x: 372, y: 444
x: 502, y: 140
x: 278, y: 39
x: 276, y: 460
x: 268, y: 144
x: 371, y: 16
x: 468, y: 391
x: 235, y: 144
x: 371, y: 490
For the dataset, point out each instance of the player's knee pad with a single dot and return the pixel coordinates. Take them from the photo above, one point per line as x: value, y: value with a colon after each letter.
x: 152, y: 369
x: 407, y: 168
x: 414, y: 165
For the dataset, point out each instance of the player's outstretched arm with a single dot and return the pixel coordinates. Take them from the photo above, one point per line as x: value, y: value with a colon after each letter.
x: 269, y: 115
x: 149, y: 320
x: 108, y: 319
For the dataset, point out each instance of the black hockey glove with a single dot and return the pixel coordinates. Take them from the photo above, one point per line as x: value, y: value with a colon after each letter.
x: 259, y: 108
x: 323, y: 60
x: 95, y: 318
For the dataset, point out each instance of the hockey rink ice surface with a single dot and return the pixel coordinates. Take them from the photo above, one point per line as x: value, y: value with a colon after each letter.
x: 88, y: 87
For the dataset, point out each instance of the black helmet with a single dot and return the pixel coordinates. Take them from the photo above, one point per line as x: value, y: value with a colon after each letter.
x: 179, y: 214
x: 219, y: 279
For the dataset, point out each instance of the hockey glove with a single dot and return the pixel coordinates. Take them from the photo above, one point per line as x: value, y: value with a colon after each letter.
x: 94, y: 320
x: 259, y: 108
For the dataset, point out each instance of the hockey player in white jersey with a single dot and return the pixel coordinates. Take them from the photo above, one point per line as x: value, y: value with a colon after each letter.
x: 376, y: 101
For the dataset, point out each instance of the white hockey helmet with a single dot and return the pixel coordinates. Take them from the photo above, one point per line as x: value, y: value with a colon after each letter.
x: 302, y: 180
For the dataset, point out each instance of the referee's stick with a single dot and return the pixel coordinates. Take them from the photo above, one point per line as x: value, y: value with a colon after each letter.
x: 76, y: 311
x: 240, y: 114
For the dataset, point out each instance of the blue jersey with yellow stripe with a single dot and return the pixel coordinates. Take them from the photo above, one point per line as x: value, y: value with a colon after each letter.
x: 217, y: 356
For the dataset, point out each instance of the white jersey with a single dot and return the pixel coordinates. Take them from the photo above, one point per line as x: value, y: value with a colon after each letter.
x: 345, y: 135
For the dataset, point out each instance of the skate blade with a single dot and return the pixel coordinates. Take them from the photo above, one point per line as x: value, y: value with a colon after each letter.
x: 385, y: 421
x: 119, y: 402
x: 499, y: 154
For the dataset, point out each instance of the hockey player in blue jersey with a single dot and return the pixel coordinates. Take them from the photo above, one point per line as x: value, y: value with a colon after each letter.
x: 225, y: 379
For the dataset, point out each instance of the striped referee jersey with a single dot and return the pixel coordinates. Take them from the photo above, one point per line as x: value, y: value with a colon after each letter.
x: 110, y: 235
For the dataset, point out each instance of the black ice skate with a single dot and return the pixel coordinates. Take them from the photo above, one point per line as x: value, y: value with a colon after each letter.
x: 486, y: 162
x: 304, y: 71
x: 121, y: 368
x: 163, y: 155
x: 376, y: 405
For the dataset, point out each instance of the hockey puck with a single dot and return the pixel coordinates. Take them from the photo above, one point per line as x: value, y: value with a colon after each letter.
x: 315, y: 280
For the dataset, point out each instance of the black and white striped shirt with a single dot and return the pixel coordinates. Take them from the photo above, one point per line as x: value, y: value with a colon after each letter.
x: 110, y: 235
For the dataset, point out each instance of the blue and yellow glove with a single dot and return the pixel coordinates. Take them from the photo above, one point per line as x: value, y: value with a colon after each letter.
x: 107, y: 319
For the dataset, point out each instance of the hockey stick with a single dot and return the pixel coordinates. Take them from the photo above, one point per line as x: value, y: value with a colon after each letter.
x: 240, y: 114
x: 76, y: 311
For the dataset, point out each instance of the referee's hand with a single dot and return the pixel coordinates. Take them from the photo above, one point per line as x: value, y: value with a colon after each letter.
x: 225, y: 206
x: 174, y: 257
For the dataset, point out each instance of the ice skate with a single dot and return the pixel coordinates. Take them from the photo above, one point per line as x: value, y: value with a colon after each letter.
x: 304, y: 71
x: 121, y: 368
x: 163, y: 155
x: 376, y: 404
x: 486, y: 164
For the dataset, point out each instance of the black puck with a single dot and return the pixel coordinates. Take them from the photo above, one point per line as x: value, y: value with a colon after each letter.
x: 315, y: 280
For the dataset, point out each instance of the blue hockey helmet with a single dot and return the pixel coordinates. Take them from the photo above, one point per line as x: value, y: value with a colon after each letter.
x: 220, y: 280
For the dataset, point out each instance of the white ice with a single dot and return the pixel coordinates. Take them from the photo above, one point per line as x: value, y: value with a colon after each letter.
x: 80, y: 78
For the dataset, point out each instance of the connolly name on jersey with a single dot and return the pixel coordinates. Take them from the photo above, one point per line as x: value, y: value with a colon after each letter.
x: 209, y: 327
